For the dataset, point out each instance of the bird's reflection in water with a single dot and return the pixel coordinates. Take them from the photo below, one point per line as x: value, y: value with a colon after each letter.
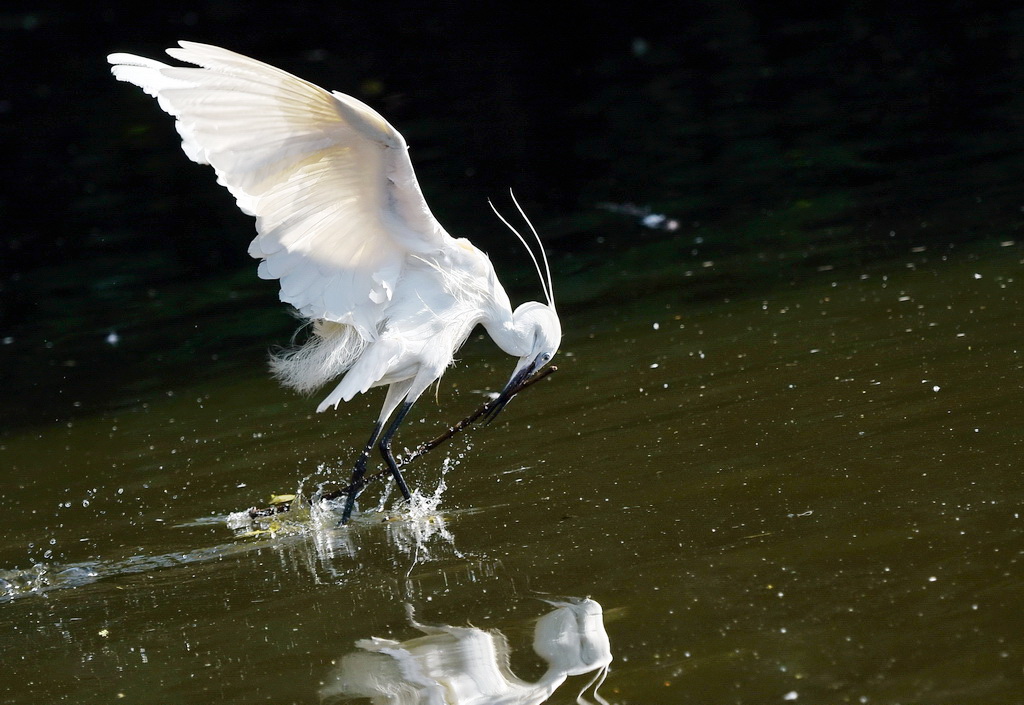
x: 462, y: 665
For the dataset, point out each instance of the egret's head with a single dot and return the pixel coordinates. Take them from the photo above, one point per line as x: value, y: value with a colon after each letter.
x: 541, y: 333
x: 537, y: 328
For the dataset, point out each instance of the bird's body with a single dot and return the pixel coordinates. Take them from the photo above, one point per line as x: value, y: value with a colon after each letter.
x: 343, y: 225
x: 423, y: 324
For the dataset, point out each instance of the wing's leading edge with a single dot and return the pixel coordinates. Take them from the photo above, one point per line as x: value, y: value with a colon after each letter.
x: 329, y: 180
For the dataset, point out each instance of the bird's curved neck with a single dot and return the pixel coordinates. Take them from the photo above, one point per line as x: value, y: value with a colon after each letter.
x: 507, y: 333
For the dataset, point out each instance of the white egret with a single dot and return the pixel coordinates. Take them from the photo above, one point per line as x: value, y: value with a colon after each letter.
x: 343, y: 225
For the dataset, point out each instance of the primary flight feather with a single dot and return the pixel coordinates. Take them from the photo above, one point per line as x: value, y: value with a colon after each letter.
x: 342, y: 224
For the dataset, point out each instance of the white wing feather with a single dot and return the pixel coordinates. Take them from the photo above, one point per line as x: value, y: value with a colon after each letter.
x: 329, y: 180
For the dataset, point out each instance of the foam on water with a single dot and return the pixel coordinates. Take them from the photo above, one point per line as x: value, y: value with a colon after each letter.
x: 416, y: 528
x: 43, y: 577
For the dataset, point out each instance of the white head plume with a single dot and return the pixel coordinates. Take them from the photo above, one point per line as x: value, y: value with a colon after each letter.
x: 546, y: 282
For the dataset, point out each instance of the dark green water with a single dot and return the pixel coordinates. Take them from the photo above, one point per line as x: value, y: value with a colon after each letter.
x: 810, y: 492
x: 781, y: 452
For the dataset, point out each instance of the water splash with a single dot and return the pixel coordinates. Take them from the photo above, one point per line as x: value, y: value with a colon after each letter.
x: 421, y: 506
x: 43, y: 577
x: 416, y: 528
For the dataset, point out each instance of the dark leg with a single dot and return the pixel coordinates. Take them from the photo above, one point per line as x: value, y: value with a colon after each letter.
x: 385, y: 449
x: 355, y: 487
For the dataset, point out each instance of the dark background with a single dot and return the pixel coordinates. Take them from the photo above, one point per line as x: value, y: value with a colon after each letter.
x: 831, y: 135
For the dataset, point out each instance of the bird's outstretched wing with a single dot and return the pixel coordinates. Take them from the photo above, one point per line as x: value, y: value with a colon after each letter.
x: 330, y: 182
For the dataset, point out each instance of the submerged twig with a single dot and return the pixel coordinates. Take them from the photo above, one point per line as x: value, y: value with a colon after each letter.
x: 418, y: 452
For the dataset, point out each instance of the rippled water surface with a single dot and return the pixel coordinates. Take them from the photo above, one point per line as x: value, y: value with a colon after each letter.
x: 809, y: 492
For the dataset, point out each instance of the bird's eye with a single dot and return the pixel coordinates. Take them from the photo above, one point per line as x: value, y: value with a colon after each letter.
x: 545, y: 357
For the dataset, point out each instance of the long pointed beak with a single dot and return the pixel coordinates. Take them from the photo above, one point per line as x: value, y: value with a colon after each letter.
x: 511, y: 389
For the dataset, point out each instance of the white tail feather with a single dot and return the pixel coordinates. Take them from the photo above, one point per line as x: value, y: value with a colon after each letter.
x: 330, y: 351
